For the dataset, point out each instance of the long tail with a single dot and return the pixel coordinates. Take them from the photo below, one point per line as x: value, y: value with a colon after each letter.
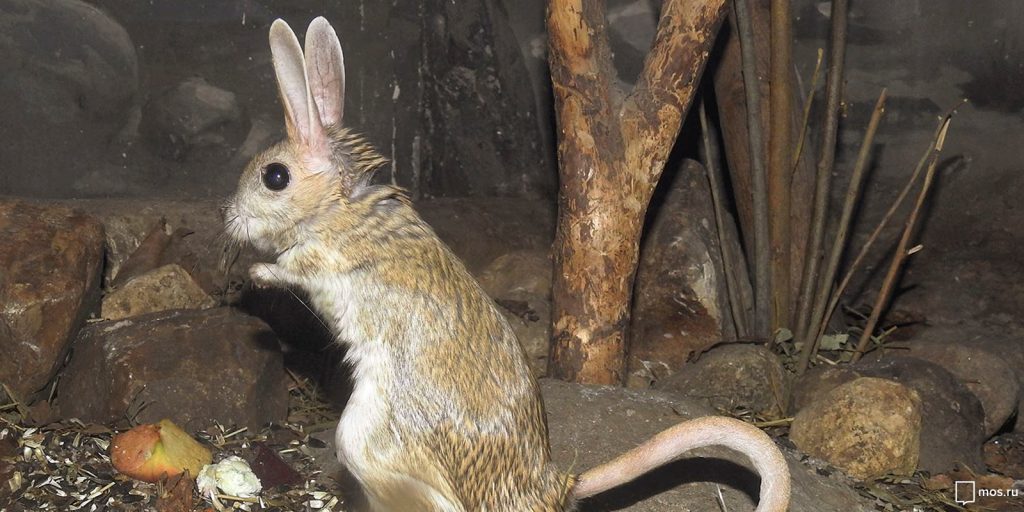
x: 670, y: 444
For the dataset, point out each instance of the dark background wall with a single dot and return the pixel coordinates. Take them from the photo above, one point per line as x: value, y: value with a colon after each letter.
x: 171, y: 97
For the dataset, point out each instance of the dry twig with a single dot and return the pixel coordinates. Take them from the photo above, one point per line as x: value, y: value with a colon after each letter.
x: 780, y: 161
x: 759, y: 183
x: 820, y: 299
x: 807, y: 110
x: 826, y: 162
x: 843, y: 229
x: 838, y: 293
x: 737, y: 305
x: 901, y: 254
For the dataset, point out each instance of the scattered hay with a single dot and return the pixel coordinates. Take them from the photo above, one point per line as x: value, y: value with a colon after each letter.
x: 65, y: 466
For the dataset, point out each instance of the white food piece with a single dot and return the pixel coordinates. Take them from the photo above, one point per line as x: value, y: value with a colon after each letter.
x: 232, y: 476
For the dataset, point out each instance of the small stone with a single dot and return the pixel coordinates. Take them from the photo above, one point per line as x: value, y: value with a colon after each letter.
x: 194, y: 367
x: 194, y: 120
x: 161, y: 289
x: 868, y: 427
x: 518, y: 273
x: 50, y: 264
x: 734, y: 377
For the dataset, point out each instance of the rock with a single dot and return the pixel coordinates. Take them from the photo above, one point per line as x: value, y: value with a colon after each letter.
x: 167, y: 287
x: 534, y: 333
x: 124, y: 233
x: 733, y: 378
x: 146, y: 257
x: 520, y: 282
x: 192, y: 237
x: 194, y: 121
x: 517, y: 274
x: 953, y: 428
x: 69, y: 73
x: 1004, y: 454
x: 817, y: 382
x: 981, y: 333
x: 680, y: 306
x: 985, y: 372
x: 867, y: 427
x: 193, y: 367
x: 632, y: 26
x: 51, y: 260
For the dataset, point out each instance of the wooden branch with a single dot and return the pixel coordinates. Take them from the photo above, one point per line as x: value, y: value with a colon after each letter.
x: 731, y: 99
x: 780, y: 160
x: 573, y: 43
x: 730, y: 260
x: 805, y: 120
x: 582, y: 74
x: 826, y: 161
x: 762, y: 255
x: 653, y: 112
x: 610, y: 158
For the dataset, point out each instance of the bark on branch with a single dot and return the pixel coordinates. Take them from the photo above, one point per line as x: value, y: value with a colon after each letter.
x: 612, y: 149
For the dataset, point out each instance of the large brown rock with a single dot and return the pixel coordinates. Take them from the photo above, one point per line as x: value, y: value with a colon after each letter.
x: 867, y: 427
x: 733, y: 378
x: 50, y: 264
x: 953, y: 430
x: 194, y: 367
x: 520, y: 282
x: 986, y: 372
x: 680, y: 306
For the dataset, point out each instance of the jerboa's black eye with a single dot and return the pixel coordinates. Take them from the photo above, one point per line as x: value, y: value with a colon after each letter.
x: 276, y: 176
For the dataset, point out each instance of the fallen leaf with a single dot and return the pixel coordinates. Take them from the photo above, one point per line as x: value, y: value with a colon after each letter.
x: 271, y: 470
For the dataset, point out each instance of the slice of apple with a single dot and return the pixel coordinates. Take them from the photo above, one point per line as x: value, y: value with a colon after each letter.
x: 150, y: 452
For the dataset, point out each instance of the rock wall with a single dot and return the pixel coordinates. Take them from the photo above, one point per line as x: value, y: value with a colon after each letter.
x: 171, y: 98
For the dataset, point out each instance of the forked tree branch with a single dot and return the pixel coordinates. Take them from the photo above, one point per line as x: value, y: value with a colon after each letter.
x: 654, y: 110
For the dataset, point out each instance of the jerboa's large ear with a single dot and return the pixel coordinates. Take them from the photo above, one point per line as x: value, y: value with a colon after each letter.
x: 325, y: 66
x: 301, y: 117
